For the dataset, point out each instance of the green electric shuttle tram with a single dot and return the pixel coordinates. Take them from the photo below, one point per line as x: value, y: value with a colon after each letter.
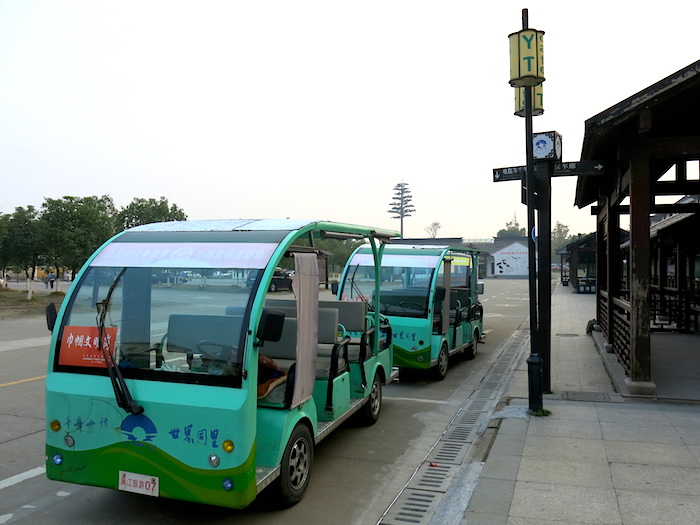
x: 429, y: 294
x: 174, y: 371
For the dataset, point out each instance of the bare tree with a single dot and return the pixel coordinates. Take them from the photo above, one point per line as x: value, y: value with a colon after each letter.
x: 432, y: 230
x: 401, y: 203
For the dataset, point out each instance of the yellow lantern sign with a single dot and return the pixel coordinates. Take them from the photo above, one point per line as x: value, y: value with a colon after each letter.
x: 526, y: 58
x: 537, y: 101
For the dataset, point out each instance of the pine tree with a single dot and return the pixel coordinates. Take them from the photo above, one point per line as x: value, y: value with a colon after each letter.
x: 401, y: 203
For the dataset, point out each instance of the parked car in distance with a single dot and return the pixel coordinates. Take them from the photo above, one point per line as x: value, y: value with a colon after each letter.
x: 281, y: 280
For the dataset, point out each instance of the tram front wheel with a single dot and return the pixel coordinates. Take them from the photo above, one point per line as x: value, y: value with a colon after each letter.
x: 369, y: 413
x: 295, y: 470
x: 443, y: 361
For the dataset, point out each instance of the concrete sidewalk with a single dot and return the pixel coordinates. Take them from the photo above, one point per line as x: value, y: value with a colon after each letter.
x: 600, y: 457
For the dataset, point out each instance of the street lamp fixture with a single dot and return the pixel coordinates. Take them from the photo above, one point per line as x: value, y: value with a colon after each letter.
x: 526, y: 58
x: 537, y: 101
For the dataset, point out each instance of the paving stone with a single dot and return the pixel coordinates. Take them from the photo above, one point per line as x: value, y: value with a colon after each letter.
x: 658, y: 479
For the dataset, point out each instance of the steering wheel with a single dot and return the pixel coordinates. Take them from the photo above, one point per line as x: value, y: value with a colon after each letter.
x: 412, y: 306
x: 224, y: 349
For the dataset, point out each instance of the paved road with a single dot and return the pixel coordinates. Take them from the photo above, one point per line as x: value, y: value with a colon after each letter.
x: 358, y: 471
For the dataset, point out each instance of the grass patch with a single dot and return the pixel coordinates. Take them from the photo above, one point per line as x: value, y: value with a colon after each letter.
x: 540, y: 412
x: 14, y: 303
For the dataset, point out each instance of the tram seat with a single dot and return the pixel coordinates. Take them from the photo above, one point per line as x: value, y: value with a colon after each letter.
x: 354, y: 322
x: 459, y: 305
x: 284, y: 351
x: 457, y: 313
x: 207, y: 334
x: 463, y: 296
x: 331, y: 353
x: 329, y: 359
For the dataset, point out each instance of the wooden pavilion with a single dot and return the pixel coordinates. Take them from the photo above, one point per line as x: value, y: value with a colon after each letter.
x: 645, y: 143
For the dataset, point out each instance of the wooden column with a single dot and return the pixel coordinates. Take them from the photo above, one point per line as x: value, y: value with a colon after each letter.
x: 601, y: 261
x: 640, y: 208
x: 682, y: 283
x: 614, y: 263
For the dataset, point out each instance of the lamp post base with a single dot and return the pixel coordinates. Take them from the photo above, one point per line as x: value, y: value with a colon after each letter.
x: 535, y: 379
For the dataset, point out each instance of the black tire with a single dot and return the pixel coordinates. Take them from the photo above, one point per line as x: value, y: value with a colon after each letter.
x: 369, y: 413
x: 409, y: 375
x: 273, y: 287
x: 295, y: 469
x: 472, y: 349
x: 439, y: 371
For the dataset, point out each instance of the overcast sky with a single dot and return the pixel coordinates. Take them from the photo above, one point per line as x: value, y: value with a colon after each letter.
x: 312, y: 109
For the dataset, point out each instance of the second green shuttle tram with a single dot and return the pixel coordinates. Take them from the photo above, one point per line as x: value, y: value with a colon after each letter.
x: 430, y: 296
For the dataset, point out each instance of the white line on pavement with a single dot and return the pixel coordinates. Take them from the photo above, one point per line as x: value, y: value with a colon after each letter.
x: 24, y: 343
x: 18, y: 478
x: 415, y: 400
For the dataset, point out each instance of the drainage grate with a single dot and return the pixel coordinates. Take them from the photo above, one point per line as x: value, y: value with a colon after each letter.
x: 485, y: 394
x: 413, y: 506
x: 461, y: 433
x: 491, y: 385
x: 451, y: 452
x: 419, y: 499
x: 567, y: 335
x: 479, y: 404
x: 433, y: 477
x: 468, y: 417
x: 463, y: 428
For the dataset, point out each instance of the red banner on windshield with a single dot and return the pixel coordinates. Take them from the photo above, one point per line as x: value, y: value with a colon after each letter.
x: 79, y: 345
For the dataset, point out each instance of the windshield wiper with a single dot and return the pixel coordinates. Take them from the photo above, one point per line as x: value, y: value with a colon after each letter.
x: 353, y: 284
x: 121, y: 390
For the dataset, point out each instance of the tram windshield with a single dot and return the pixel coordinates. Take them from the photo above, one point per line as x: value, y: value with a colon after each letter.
x: 405, y: 284
x: 179, y: 324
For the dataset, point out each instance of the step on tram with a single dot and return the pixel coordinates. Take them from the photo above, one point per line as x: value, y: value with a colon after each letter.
x: 175, y: 372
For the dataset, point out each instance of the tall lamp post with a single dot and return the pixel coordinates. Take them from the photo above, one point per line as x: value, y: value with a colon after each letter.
x: 527, y: 71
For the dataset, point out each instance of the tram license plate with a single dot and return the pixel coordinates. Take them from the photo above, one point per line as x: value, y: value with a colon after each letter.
x: 139, y: 483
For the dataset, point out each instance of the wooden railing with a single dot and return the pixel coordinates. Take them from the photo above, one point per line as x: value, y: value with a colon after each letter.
x: 672, y: 308
x: 603, y: 313
x: 621, y: 342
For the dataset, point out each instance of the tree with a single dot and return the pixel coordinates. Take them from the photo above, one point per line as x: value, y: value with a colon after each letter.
x: 432, y: 230
x: 401, y: 203
x: 22, y: 243
x: 147, y: 211
x: 4, y: 252
x: 74, y: 227
x: 560, y: 237
x: 512, y: 229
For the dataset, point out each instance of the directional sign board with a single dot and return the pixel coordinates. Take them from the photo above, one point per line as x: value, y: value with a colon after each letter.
x: 578, y: 169
x: 584, y: 168
x: 515, y: 173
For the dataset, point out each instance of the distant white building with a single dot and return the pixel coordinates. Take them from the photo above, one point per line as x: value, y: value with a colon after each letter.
x: 511, y: 261
x: 507, y: 257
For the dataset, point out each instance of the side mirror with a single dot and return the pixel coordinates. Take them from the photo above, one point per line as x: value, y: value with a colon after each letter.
x: 51, y: 316
x: 479, y: 288
x: 334, y: 287
x: 439, y: 293
x: 270, y: 327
